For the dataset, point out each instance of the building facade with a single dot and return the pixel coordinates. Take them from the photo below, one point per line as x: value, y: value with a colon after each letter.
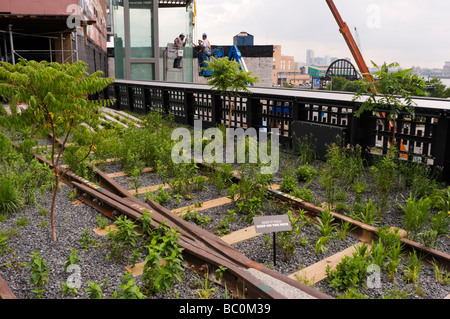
x: 284, y: 70
x: 55, y: 30
x: 144, y: 30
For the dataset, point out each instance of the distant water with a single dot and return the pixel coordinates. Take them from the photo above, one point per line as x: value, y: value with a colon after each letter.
x: 446, y: 82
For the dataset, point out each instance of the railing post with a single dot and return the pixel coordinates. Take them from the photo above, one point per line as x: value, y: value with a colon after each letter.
x: 216, y: 108
x: 165, y: 100
x: 441, y: 146
x: 188, y: 107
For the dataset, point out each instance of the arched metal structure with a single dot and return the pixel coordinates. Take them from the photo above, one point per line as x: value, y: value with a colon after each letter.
x: 343, y: 68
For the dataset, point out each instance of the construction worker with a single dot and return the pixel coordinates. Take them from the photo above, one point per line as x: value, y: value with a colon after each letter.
x: 206, y: 46
x: 180, y: 43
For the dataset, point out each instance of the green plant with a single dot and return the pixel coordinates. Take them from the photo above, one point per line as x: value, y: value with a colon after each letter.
x: 286, y: 241
x: 416, y: 215
x: 325, y: 223
x: 207, y: 291
x: 320, y: 245
x: 390, y: 92
x: 67, y: 288
x: 378, y: 254
x: 384, y: 173
x: 163, y: 262
x: 289, y: 182
x: 441, y: 199
x: 87, y: 241
x: 4, y: 246
x: 72, y: 259
x: 161, y: 196
x: 101, y: 222
x: 57, y: 104
x: 306, y: 173
x: 394, y: 259
x: 351, y: 272
x: 440, y: 273
x: 95, y: 290
x: 222, y: 227
x: 228, y: 78
x: 413, y: 267
x: 129, y: 289
x: 38, y: 270
x: 194, y: 216
x: 123, y: 238
x: 342, y: 233
x: 22, y: 221
x: 221, y: 175
x: 369, y: 214
x: 351, y: 293
x: 306, y: 148
x: 11, y: 199
x: 304, y: 194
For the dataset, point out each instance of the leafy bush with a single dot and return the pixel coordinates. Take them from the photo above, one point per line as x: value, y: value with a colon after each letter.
x: 416, y: 216
x: 351, y: 272
x: 306, y: 173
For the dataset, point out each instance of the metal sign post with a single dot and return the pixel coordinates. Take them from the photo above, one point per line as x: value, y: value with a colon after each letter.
x: 272, y: 224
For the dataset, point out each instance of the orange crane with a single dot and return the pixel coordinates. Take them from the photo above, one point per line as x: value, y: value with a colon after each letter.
x: 345, y: 31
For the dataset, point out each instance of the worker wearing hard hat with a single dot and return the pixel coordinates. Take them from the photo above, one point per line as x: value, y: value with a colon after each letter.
x: 206, y: 46
x: 180, y: 43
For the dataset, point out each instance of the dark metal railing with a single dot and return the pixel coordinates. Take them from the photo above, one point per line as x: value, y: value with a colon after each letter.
x: 424, y: 139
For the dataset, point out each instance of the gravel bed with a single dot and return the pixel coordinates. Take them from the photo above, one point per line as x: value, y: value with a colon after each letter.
x: 304, y: 256
x: 430, y: 287
x: 71, y: 222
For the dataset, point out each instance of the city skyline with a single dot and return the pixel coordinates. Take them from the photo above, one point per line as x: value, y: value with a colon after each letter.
x: 411, y: 33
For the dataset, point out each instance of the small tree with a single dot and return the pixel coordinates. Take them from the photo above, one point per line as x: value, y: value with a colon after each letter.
x: 57, y: 99
x: 390, y: 91
x: 229, y: 79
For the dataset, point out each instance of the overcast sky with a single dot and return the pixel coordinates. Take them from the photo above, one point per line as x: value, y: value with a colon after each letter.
x: 410, y: 32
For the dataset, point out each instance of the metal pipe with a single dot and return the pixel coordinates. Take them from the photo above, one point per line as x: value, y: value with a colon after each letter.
x: 12, y: 45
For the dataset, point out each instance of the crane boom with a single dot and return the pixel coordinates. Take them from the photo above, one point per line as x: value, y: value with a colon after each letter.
x: 348, y: 37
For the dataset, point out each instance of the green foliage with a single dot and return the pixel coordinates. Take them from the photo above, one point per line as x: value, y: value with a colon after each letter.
x: 416, y: 215
x: 72, y: 259
x: 227, y: 78
x: 163, y: 263
x: 306, y: 149
x: 351, y: 272
x: 95, y: 290
x: 123, y: 238
x: 306, y: 173
x: 57, y: 104
x: 38, y: 270
x: 342, y: 84
x: 391, y: 91
x: 160, y: 196
x: 194, y: 216
x: 413, y: 267
x: 369, y: 214
x: 325, y: 223
x: 289, y: 182
x: 128, y: 289
x: 384, y: 173
x: 10, y: 197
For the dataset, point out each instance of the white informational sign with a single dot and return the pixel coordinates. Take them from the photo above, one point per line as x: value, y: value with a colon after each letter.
x: 272, y: 224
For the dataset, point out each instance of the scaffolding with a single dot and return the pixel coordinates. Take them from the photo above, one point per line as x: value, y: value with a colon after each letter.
x: 12, y: 53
